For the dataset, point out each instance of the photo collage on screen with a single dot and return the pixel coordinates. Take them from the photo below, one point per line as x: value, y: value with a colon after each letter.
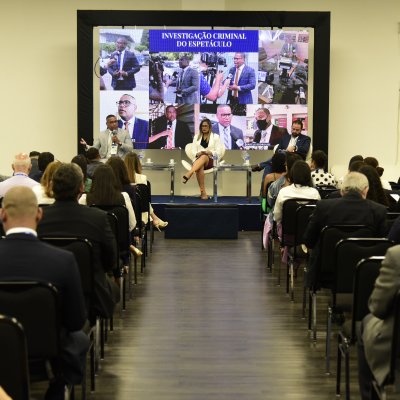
x: 252, y: 84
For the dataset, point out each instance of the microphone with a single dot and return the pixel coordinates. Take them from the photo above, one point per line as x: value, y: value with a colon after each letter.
x: 115, y: 54
x: 114, y: 132
x: 240, y: 143
x: 230, y: 76
x: 169, y: 124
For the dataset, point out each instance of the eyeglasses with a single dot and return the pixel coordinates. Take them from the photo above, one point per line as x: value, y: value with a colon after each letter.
x: 225, y: 115
x: 125, y: 103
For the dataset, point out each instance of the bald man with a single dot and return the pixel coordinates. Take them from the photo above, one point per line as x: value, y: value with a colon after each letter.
x: 24, y: 257
x: 21, y: 166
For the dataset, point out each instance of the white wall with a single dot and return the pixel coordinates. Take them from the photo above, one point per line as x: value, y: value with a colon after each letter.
x: 38, y: 81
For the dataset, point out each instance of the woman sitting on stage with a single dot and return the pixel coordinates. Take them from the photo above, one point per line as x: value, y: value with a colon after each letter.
x: 205, y: 145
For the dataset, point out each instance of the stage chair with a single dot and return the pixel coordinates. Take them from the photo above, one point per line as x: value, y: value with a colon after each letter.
x: 366, y: 272
x: 348, y: 252
x: 14, y: 373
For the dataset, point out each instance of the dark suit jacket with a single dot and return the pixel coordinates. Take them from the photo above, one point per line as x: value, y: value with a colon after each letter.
x: 140, y: 133
x: 24, y: 257
x: 70, y: 218
x: 247, y: 82
x: 276, y: 135
x: 303, y: 144
x: 131, y: 66
x: 236, y: 134
x: 351, y: 209
x: 183, y: 136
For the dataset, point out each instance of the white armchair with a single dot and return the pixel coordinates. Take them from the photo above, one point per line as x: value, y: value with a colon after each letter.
x: 191, y: 149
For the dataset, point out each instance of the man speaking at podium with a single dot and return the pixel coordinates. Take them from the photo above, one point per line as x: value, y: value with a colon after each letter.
x: 113, y: 141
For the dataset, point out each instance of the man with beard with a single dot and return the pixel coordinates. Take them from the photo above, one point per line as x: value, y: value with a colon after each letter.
x: 267, y: 132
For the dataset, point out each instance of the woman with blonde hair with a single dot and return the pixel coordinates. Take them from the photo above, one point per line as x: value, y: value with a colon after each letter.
x: 135, y: 176
x: 43, y: 192
x: 204, y: 146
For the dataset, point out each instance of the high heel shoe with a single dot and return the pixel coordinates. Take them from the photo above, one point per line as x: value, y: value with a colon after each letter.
x: 204, y: 196
x: 160, y: 224
x: 135, y: 251
x: 185, y: 179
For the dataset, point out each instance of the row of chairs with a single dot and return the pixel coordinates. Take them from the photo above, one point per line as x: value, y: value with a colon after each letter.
x: 341, y: 261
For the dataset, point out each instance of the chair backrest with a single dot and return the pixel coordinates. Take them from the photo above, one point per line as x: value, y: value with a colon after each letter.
x: 289, y: 209
x: 367, y: 270
x: 143, y: 193
x: 330, y: 235
x: 324, y: 191
x: 35, y: 305
x: 14, y: 374
x: 395, y: 353
x: 348, y: 253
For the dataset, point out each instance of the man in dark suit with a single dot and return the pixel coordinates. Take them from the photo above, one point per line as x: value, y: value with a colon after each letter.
x: 230, y: 136
x: 353, y: 208
x: 170, y: 133
x: 123, y: 66
x: 267, y: 132
x: 138, y: 128
x: 67, y: 217
x: 24, y: 257
x: 243, y: 81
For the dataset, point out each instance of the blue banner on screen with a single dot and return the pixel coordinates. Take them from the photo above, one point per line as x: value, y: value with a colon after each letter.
x: 206, y: 40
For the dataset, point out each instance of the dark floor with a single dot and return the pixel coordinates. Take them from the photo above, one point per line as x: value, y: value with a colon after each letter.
x: 207, y: 321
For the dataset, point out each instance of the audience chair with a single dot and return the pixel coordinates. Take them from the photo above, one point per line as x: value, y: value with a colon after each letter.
x: 150, y: 223
x: 324, y: 274
x: 366, y: 272
x: 348, y: 253
x: 36, y: 306
x: 14, y: 373
x: 326, y: 190
x: 380, y: 390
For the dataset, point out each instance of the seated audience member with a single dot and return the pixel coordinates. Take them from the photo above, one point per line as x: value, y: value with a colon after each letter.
x: 374, y: 350
x: 318, y: 164
x: 394, y: 233
x: 134, y: 168
x: 301, y: 187
x: 43, y: 192
x: 121, y: 174
x: 205, y: 145
x: 80, y: 160
x: 21, y: 167
x: 352, y: 160
x: 278, y: 162
x: 66, y: 217
x: 373, y: 162
x: 34, y: 155
x: 93, y: 159
x: 44, y: 159
x: 353, y: 208
x: 24, y: 257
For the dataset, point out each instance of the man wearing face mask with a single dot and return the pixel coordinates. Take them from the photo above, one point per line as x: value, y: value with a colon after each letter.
x: 267, y: 132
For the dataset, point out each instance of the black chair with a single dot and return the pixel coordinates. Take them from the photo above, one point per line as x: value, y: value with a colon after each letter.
x: 14, y: 373
x: 325, y: 267
x: 348, y: 252
x: 380, y: 390
x: 366, y: 272
x: 83, y: 252
x: 151, y: 226
x: 36, y: 306
x: 325, y: 190
x: 294, y: 221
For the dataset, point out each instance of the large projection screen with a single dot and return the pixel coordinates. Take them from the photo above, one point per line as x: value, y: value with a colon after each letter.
x: 260, y: 36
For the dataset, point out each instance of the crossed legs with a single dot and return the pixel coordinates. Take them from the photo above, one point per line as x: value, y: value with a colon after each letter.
x: 198, y: 169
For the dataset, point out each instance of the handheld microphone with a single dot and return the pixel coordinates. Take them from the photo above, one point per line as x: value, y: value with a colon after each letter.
x: 169, y: 124
x: 240, y: 143
x: 229, y: 77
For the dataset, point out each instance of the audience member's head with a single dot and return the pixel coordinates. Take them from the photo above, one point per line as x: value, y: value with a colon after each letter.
x: 34, y: 154
x: 120, y: 171
x: 319, y: 160
x: 373, y: 162
x: 22, y: 163
x: 92, y: 154
x: 47, y: 177
x: 375, y: 192
x: 355, y: 158
x: 133, y: 166
x: 20, y: 209
x: 300, y: 174
x: 291, y: 158
x: 45, y: 158
x: 80, y: 160
x: 355, y: 182
x: 104, y: 189
x: 356, y: 165
x: 278, y: 162
x: 67, y: 182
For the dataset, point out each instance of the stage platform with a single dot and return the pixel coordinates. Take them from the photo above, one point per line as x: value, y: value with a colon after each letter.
x: 187, y: 213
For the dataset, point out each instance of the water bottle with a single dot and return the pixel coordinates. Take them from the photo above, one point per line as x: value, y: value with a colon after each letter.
x: 215, y: 159
x: 141, y: 155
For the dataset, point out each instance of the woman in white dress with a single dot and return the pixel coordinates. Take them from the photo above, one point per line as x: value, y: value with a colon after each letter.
x: 135, y: 176
x: 205, y: 146
x: 43, y: 192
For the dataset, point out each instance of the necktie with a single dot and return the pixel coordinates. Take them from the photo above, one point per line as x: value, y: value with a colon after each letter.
x: 226, y: 138
x: 119, y: 61
x: 235, y: 92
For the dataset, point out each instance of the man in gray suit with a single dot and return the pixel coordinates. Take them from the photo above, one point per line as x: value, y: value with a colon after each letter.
x: 231, y: 137
x: 187, y: 83
x: 375, y: 348
x: 113, y: 141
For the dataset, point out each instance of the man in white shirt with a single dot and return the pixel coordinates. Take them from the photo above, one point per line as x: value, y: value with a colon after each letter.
x: 21, y: 167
